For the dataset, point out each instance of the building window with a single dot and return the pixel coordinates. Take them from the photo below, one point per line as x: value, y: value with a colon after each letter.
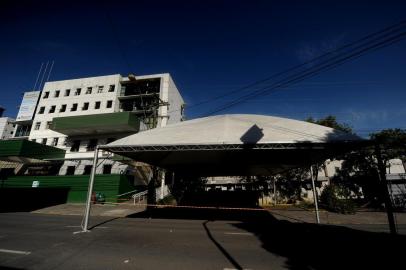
x: 109, y: 104
x: 100, y: 89
x: 37, y: 126
x: 107, y: 169
x: 70, y: 170
x: 44, y: 141
x: 91, y: 146
x: 67, y: 92
x: 63, y: 108
x: 46, y: 95
x: 75, y: 146
x: 112, y: 87
x: 74, y: 107
x: 41, y: 110
x: 55, y: 142
x: 85, y: 106
x: 87, y: 170
x: 89, y: 90
x: 52, y: 109
x: 49, y: 124
x: 57, y: 92
x: 97, y: 105
x: 77, y: 92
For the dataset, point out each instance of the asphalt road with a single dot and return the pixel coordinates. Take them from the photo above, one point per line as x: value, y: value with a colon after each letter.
x: 35, y: 241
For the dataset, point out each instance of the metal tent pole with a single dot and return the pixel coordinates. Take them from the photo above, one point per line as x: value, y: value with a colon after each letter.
x: 161, y: 195
x: 274, y: 192
x: 90, y: 190
x: 315, y: 196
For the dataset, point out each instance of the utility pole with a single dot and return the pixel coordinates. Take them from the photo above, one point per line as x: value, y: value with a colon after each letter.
x: 383, y: 183
x: 316, y: 205
x: 90, y: 191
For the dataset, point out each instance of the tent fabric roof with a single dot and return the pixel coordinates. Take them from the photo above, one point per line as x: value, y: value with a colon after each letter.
x: 236, y: 129
x: 235, y: 144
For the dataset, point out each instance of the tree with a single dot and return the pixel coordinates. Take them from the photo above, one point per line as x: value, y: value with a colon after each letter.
x: 359, y: 168
x: 330, y: 121
x: 393, y: 142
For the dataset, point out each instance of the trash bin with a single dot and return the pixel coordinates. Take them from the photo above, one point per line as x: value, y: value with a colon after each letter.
x: 100, y: 197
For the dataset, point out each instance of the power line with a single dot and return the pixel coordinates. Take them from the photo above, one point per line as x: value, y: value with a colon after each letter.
x: 311, y: 73
x: 354, y: 53
x: 385, y: 31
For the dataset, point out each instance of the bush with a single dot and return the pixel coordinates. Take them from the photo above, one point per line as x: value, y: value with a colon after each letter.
x: 337, y: 199
x: 168, y: 200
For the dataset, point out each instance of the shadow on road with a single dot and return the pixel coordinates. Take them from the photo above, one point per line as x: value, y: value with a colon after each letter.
x: 220, y: 247
x: 30, y: 199
x: 312, y: 246
x: 304, y: 245
x: 202, y: 214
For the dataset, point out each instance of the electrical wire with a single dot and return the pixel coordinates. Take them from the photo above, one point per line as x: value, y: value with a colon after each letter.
x: 313, y: 71
x: 385, y: 31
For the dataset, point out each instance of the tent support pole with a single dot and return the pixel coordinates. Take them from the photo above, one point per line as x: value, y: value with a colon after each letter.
x: 90, y: 191
x: 274, y: 192
x: 161, y: 196
x: 315, y: 196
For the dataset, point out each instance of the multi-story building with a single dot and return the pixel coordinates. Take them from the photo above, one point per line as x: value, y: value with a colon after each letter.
x: 6, y: 128
x: 79, y: 114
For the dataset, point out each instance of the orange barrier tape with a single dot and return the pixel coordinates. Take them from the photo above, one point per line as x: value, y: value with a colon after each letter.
x: 189, y: 206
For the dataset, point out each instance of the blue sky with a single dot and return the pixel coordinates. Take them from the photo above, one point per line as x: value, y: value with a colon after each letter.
x: 211, y: 48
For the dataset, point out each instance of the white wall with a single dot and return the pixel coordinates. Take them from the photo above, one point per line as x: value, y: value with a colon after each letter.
x: 395, y: 166
x: 92, y: 98
x: 80, y: 159
x: 175, y: 100
x: 6, y: 128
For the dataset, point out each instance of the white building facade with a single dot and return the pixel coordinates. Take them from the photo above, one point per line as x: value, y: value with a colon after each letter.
x: 6, y: 128
x: 79, y: 114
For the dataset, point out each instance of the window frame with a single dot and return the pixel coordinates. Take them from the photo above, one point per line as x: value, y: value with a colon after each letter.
x: 85, y: 108
x: 52, y: 109
x: 64, y: 107
x: 37, y: 126
x: 74, y: 107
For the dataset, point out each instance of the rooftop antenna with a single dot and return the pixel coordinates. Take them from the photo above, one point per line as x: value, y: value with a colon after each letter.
x: 50, y: 70
x: 39, y: 73
x: 43, y: 75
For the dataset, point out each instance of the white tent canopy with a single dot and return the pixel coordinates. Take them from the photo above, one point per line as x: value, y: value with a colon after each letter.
x: 234, y: 144
x: 230, y: 128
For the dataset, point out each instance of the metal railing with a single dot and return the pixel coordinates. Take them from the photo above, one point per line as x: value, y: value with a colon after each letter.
x: 140, y: 196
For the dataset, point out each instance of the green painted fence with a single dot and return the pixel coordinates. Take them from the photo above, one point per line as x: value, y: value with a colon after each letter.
x: 110, y: 185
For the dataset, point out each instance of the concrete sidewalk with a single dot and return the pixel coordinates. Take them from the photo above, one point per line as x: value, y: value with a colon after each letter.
x: 295, y: 214
x: 290, y: 213
x: 78, y: 209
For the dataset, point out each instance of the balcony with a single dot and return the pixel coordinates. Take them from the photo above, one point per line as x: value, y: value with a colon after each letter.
x: 106, y: 123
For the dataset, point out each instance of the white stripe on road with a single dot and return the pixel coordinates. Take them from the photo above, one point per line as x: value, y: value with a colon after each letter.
x: 237, y: 233
x: 236, y: 269
x: 99, y: 227
x: 15, y: 251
